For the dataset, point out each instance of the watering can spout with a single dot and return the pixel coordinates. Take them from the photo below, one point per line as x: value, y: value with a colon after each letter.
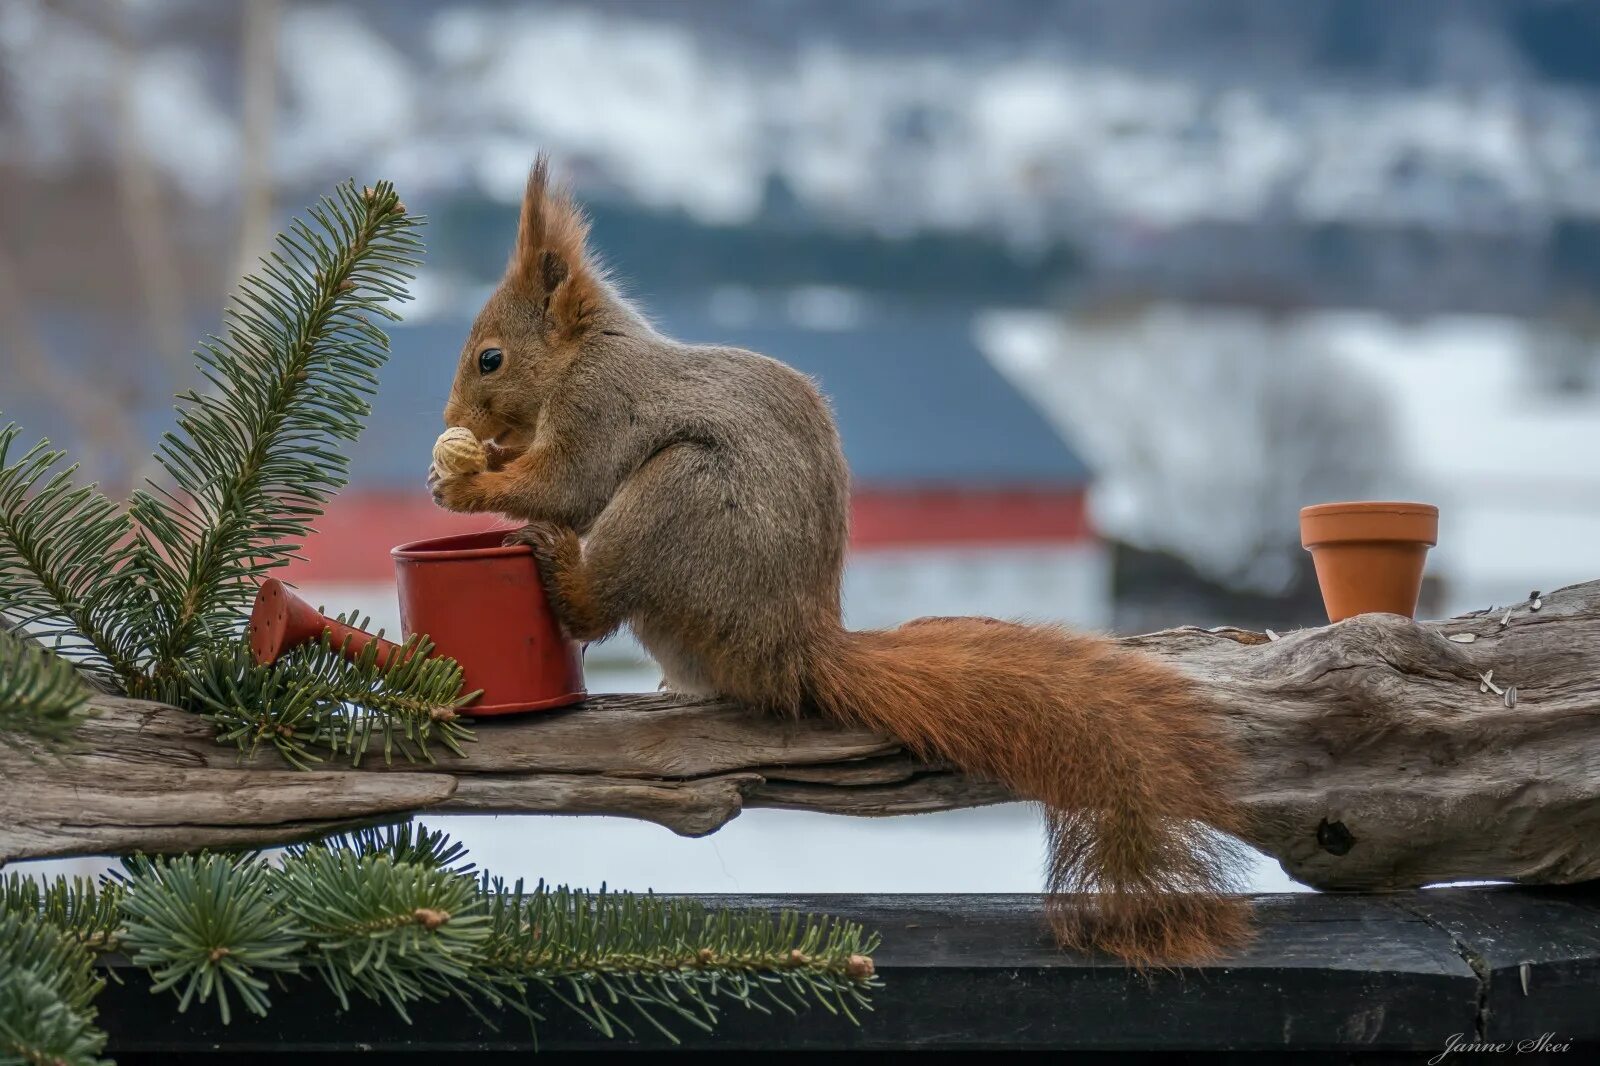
x: 281, y: 620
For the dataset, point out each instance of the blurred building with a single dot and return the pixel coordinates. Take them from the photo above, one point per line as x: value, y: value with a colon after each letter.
x: 1495, y: 419
x: 966, y: 500
x: 1356, y: 247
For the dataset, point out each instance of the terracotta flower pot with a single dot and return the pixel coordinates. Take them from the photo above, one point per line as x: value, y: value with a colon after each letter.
x: 1369, y: 556
x: 483, y: 605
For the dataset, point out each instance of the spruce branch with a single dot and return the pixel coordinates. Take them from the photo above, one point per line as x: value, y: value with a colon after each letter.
x: 62, y: 552
x: 139, y: 596
x: 79, y: 908
x: 600, y: 952
x: 41, y: 694
x: 47, y: 990
x: 252, y: 461
x: 314, y: 699
x: 399, y: 916
x: 207, y: 925
x: 404, y: 842
x: 152, y: 601
x: 399, y: 933
x: 38, y: 1029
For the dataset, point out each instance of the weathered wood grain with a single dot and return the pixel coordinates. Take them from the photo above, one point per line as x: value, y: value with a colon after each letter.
x: 1373, y: 759
x: 144, y: 776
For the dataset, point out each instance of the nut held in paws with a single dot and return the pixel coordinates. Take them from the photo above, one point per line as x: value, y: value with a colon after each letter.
x: 458, y: 452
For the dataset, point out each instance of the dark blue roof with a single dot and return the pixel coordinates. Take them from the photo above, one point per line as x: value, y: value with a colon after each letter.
x: 917, y: 404
x: 916, y: 401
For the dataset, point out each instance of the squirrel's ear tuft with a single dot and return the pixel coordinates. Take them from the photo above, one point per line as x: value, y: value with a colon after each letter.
x: 550, y: 264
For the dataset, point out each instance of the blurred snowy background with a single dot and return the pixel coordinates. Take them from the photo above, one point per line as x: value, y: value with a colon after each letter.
x: 1103, y: 293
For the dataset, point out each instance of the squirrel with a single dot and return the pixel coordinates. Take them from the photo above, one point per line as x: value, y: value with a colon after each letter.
x: 699, y: 495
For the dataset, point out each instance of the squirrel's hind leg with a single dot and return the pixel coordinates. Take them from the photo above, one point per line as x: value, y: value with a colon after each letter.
x: 693, y: 560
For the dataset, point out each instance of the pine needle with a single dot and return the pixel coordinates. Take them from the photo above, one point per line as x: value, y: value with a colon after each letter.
x: 41, y: 694
x: 207, y: 926
x: 62, y: 551
x: 47, y: 990
x: 78, y: 907
x: 314, y: 700
x: 151, y: 601
x: 398, y: 916
x: 252, y: 460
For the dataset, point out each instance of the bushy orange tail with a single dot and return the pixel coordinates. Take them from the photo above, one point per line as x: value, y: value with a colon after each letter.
x: 1119, y: 748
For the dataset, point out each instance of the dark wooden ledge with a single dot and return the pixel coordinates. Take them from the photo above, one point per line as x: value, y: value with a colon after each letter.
x: 1366, y: 977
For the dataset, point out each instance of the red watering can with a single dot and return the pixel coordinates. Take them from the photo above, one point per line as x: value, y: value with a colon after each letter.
x: 480, y: 602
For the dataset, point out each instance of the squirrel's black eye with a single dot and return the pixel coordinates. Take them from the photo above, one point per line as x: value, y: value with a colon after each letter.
x: 489, y: 360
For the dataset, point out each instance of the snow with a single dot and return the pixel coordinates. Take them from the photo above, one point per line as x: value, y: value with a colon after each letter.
x: 647, y: 101
x: 1515, y: 468
x: 988, y: 849
x: 350, y: 97
x: 676, y: 120
x: 1025, y: 141
x: 1444, y: 409
x: 1207, y: 429
x: 178, y: 119
x: 825, y: 308
x: 58, y: 82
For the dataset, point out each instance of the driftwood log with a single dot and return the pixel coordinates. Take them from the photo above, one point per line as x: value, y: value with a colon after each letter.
x: 1379, y: 753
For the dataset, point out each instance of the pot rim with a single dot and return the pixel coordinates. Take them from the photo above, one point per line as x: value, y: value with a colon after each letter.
x: 1399, y: 507
x: 422, y: 551
x: 1368, y: 522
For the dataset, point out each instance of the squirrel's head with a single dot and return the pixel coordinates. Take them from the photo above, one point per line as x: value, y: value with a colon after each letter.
x: 552, y: 298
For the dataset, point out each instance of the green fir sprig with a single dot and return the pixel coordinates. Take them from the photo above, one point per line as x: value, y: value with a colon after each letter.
x: 47, y: 990
x: 64, y: 549
x: 208, y: 926
x: 395, y: 932
x: 150, y: 600
x: 664, y: 959
x: 254, y: 457
x: 80, y: 907
x: 41, y: 694
x: 314, y: 699
x: 400, y: 917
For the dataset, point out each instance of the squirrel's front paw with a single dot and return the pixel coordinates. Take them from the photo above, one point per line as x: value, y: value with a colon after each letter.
x: 550, y: 542
x: 557, y: 550
x: 559, y: 555
x: 456, y: 492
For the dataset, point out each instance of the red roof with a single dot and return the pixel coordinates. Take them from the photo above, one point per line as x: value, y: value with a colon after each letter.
x: 355, y: 534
